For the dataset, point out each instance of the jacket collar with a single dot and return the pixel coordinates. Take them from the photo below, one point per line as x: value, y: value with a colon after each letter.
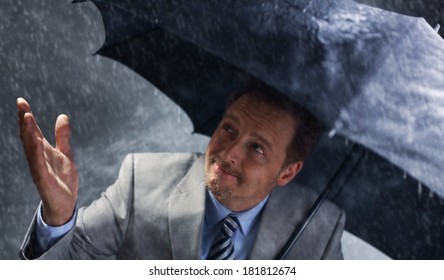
x: 279, y: 219
x: 186, y: 213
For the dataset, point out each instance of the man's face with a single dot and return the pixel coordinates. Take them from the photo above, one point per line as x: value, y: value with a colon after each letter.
x: 244, y: 158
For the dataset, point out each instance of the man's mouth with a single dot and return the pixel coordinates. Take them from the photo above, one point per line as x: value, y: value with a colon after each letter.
x: 224, y: 168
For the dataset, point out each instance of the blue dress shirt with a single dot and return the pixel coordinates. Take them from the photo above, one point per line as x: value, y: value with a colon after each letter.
x: 244, y: 236
x: 215, y: 212
x: 46, y: 235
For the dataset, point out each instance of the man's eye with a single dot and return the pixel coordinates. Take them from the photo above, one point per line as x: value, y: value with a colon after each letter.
x: 228, y: 128
x: 258, y: 149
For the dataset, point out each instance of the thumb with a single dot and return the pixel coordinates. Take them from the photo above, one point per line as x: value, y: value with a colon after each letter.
x: 63, y: 135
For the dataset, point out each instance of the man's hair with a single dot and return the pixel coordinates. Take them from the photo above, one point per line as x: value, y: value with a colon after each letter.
x: 308, y: 129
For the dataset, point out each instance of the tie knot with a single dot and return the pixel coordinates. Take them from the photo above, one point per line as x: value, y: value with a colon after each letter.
x: 223, y: 247
x: 231, y: 223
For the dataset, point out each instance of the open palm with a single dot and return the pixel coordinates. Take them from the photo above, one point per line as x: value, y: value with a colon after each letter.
x: 52, y: 168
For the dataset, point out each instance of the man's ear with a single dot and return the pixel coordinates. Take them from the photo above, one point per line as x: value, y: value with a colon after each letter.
x: 288, y: 173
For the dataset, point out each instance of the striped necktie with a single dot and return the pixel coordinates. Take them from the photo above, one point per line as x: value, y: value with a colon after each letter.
x: 223, y: 247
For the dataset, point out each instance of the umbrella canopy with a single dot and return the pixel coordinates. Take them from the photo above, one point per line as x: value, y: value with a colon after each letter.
x: 372, y: 76
x: 385, y: 207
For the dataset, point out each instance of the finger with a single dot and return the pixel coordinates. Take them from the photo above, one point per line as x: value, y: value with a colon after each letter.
x: 37, y: 164
x: 29, y: 136
x: 23, y: 108
x: 63, y: 135
x: 33, y: 146
x: 33, y: 142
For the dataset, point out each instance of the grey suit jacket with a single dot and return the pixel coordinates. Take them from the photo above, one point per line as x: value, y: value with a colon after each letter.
x: 155, y: 210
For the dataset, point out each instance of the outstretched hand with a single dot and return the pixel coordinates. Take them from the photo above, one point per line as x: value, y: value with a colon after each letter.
x: 52, y: 168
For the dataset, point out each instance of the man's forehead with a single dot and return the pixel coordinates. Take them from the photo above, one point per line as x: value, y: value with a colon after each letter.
x: 267, y: 123
x: 262, y: 135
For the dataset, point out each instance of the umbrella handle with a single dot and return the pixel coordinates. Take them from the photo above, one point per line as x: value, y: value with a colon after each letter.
x: 346, y: 168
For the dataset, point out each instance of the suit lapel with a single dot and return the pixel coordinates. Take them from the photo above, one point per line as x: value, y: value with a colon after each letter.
x: 186, y: 213
x: 279, y: 219
x: 285, y: 209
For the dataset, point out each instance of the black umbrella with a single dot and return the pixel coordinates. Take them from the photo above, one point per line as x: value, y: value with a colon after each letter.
x: 370, y: 75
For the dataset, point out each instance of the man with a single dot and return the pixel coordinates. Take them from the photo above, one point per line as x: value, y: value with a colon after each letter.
x: 229, y: 203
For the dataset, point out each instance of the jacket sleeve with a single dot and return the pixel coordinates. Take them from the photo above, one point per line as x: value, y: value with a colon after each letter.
x: 100, y: 227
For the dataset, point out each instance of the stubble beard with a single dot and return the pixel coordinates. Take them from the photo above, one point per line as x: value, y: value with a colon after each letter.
x: 214, y: 181
x: 217, y: 189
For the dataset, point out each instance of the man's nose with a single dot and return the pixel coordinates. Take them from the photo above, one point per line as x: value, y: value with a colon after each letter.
x: 233, y: 152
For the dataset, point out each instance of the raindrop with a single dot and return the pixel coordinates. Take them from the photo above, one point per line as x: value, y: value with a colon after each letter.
x: 431, y: 194
x: 178, y: 114
x: 404, y: 176
x: 332, y: 133
x: 419, y: 189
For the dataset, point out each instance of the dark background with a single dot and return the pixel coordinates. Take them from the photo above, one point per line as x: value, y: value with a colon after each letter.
x: 46, y: 56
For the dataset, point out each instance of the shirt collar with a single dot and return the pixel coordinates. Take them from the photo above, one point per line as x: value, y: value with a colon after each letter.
x: 215, y: 212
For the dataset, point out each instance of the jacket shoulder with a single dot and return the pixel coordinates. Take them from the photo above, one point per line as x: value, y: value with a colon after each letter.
x: 321, y: 239
x: 286, y: 211
x: 161, y: 168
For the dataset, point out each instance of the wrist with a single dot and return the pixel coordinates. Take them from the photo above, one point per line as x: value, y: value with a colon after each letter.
x: 56, y: 218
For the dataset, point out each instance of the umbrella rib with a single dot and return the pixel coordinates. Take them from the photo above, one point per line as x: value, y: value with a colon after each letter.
x: 126, y: 39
